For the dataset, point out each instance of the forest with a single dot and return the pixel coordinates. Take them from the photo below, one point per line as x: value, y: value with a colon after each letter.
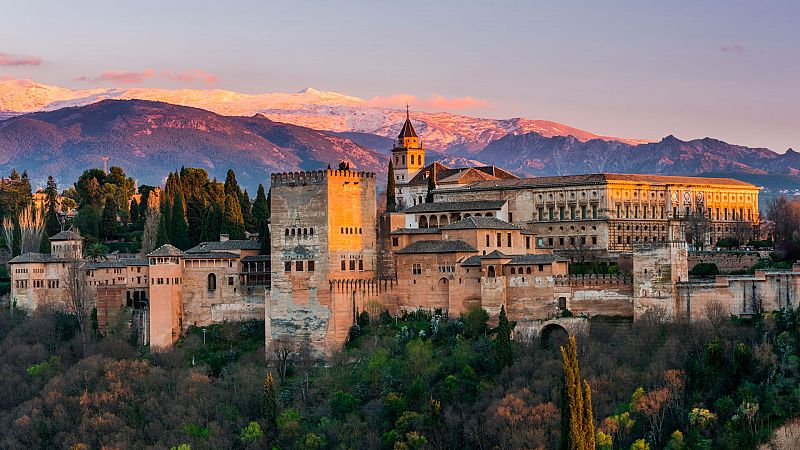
x: 416, y: 381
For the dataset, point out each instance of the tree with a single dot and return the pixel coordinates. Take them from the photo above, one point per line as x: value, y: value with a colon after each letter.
x: 151, y: 215
x: 431, y: 185
x: 577, y: 421
x: 391, y: 201
x: 212, y: 221
x: 247, y: 214
x: 696, y: 228
x: 52, y: 224
x: 44, y: 246
x: 785, y: 216
x: 88, y: 188
x: 95, y: 252
x: 270, y: 405
x: 180, y: 231
x: 88, y: 221
x: 162, y: 235
x: 134, y: 212
x: 264, y: 244
x: 23, y: 233
x: 502, y: 342
x: 232, y: 220
x: 78, y: 296
x: 109, y: 227
x: 260, y: 206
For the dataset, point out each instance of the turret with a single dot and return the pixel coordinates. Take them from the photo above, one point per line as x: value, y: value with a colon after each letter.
x: 408, y: 154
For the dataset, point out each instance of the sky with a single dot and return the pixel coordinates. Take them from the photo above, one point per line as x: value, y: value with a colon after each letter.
x: 727, y: 69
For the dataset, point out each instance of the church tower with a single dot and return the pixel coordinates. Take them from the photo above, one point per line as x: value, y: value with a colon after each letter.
x: 408, y: 157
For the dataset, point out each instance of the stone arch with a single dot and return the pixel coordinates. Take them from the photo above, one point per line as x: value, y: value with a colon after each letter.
x: 489, y: 214
x: 478, y: 215
x: 442, y: 293
x: 212, y: 282
x: 490, y: 272
x: 433, y: 222
x: 443, y: 220
x: 423, y: 222
x: 553, y: 335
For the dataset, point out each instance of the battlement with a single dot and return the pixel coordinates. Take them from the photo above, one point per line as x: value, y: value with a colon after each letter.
x: 593, y: 280
x: 653, y: 246
x: 354, y: 284
x: 315, y: 176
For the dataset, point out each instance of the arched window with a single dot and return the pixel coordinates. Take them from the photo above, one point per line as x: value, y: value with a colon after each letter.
x: 360, y: 231
x: 305, y: 231
x: 491, y: 272
x: 513, y: 271
x: 287, y: 231
x: 311, y: 231
x: 212, y: 282
x: 292, y: 231
x: 528, y: 270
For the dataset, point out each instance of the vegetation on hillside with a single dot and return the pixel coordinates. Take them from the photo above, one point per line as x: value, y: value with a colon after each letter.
x: 416, y: 381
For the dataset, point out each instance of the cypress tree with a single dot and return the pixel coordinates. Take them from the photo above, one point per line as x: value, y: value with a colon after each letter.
x: 211, y: 223
x: 247, y: 215
x: 577, y: 422
x: 180, y: 230
x: 162, y: 236
x: 108, y: 220
x: 52, y: 224
x: 391, y: 201
x: 270, y: 405
x: 431, y: 185
x: 263, y: 237
x: 44, y: 245
x: 134, y: 212
x: 231, y: 185
x: 260, y: 206
x: 504, y: 351
x: 232, y: 220
x: 16, y: 246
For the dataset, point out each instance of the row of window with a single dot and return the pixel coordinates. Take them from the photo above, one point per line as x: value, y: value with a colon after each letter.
x: 562, y: 240
x: 563, y: 213
x: 167, y: 280
x: 299, y: 232
x: 351, y: 265
x: 350, y: 230
x: 51, y: 284
x: 299, y: 266
x: 411, y: 158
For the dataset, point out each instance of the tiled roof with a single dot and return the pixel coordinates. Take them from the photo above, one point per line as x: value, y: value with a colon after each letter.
x: 600, y: 179
x: 438, y: 246
x: 66, y: 236
x: 473, y: 222
x: 166, y: 250
x: 233, y: 244
x: 31, y: 257
x: 211, y: 255
x: 415, y: 231
x: 547, y: 258
x: 448, y: 175
x: 258, y: 258
x: 479, y: 205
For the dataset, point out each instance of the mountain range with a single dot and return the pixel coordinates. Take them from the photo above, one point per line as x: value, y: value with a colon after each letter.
x: 51, y: 130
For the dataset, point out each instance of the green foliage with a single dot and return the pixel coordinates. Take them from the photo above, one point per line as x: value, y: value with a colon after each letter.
x: 676, y: 441
x: 728, y: 242
x: 52, y: 224
x: 196, y: 431
x: 232, y: 220
x: 343, y: 403
x: 212, y: 221
x: 44, y: 244
x: 109, y: 227
x: 162, y: 236
x: 179, y: 235
x: 46, y: 369
x: 704, y: 270
x: 251, y: 433
x: 88, y: 221
x: 181, y: 447
x: 260, y: 206
x: 391, y: 200
x: 577, y: 418
x: 95, y: 252
x: 431, y: 185
x: 504, y: 350
x: 640, y: 444
x: 475, y: 321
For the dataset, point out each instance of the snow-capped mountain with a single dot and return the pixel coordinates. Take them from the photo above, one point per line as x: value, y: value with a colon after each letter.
x: 310, y: 108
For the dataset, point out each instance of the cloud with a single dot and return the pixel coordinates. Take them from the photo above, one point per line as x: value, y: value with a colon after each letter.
x: 434, y: 102
x: 184, y: 76
x: 192, y: 76
x: 735, y: 48
x: 7, y: 59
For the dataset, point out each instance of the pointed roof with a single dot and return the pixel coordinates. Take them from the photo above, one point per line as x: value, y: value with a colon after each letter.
x: 166, y: 250
x: 408, y: 129
x: 68, y: 235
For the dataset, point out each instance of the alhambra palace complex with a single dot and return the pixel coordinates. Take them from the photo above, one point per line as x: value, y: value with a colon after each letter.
x: 483, y: 237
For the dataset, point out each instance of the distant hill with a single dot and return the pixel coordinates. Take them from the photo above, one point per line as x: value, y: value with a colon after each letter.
x: 149, y: 138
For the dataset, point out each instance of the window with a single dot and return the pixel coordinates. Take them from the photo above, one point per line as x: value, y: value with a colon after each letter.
x: 594, y: 240
x: 527, y: 242
x: 212, y: 282
x: 487, y: 240
x: 230, y: 281
x: 344, y: 265
x: 499, y: 240
x: 395, y: 242
x: 510, y: 217
x: 311, y: 266
x: 287, y: 266
x: 416, y: 269
x: 361, y: 265
x: 298, y: 266
x: 352, y: 264
x: 509, y: 239
x: 528, y: 270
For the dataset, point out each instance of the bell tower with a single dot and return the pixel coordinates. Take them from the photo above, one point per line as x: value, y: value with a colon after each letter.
x: 408, y: 156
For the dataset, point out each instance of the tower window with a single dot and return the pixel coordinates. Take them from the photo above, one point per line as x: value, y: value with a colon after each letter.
x: 212, y: 282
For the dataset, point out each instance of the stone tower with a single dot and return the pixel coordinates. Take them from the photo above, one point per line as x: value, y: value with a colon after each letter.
x: 323, y: 229
x: 66, y: 245
x: 408, y: 158
x: 166, y: 288
x: 657, y: 268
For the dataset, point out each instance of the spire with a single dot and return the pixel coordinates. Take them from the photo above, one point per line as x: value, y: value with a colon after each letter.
x: 408, y: 129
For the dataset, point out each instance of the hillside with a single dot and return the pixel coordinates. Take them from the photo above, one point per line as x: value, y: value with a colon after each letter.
x: 150, y: 138
x: 310, y: 108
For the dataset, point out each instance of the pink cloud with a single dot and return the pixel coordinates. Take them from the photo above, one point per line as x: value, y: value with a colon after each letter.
x: 184, y: 76
x: 192, y: 76
x: 7, y: 59
x: 434, y: 102
x: 735, y: 48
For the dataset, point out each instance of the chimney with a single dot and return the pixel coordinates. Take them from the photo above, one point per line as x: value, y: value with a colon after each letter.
x: 223, y: 237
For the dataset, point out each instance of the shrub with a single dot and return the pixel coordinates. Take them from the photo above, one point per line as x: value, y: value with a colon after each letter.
x: 704, y: 270
x: 251, y: 433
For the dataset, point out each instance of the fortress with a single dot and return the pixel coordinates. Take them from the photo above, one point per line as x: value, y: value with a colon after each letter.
x: 461, y: 237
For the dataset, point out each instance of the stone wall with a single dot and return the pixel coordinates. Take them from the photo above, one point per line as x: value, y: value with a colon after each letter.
x: 725, y: 261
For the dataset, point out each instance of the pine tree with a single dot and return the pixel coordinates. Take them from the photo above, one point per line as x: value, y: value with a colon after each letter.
x: 108, y: 220
x: 232, y: 220
x: 180, y: 230
x: 162, y: 236
x: 270, y: 405
x: 52, y: 224
x: 577, y: 421
x: 391, y: 201
x: 503, y: 348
